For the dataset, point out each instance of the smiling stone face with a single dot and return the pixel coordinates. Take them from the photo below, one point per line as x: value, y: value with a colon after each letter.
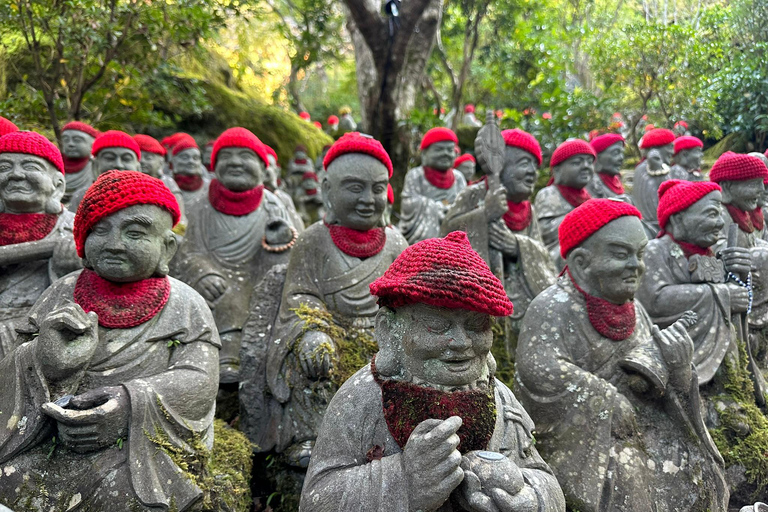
x: 519, y: 173
x: 28, y: 182
x: 76, y: 144
x: 700, y: 224
x: 575, y: 172
x: 239, y: 169
x: 439, y: 155
x: 355, y: 189
x: 116, y: 158
x: 611, y: 159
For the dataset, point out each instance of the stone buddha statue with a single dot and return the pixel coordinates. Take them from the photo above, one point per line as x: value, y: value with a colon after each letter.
x: 466, y: 165
x: 76, y: 142
x: 606, y: 181
x: 657, y: 148
x: 152, y: 163
x: 469, y: 118
x: 188, y: 171
x: 273, y: 183
x: 687, y: 155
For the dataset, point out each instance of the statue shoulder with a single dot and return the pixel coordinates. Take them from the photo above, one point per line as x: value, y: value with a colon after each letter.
x: 360, y: 390
x: 512, y: 409
x: 550, y: 203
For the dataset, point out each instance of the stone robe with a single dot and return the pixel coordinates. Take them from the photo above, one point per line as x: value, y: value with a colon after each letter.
x: 651, y: 453
x: 322, y: 277
x: 677, y: 172
x: 645, y: 196
x: 171, y: 388
x: 78, y: 183
x: 551, y: 208
x: 342, y: 477
x: 668, y: 290
x: 296, y: 219
x: 190, y: 197
x: 423, y: 206
x: 22, y: 284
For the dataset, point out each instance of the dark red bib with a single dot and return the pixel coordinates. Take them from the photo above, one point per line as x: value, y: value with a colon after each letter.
x: 688, y: 248
x: 518, y: 216
x: 742, y: 218
x: 188, y: 182
x: 74, y: 165
x: 614, y: 321
x: 613, y: 182
x: 440, y: 179
x: 574, y: 196
x: 360, y: 244
x: 234, y: 203
x: 757, y: 218
x: 16, y: 228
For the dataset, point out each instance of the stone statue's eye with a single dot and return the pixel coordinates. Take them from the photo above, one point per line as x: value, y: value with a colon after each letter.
x: 355, y: 187
x: 379, y: 189
x: 5, y: 166
x: 478, y: 323
x: 437, y: 326
x: 32, y: 166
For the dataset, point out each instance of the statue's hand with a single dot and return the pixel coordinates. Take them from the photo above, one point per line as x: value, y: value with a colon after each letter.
x: 493, y: 482
x: 212, y: 287
x: 278, y: 232
x: 524, y: 501
x: 316, y: 352
x: 677, y: 350
x: 623, y: 423
x: 739, y: 298
x: 737, y: 260
x: 94, y: 420
x: 68, y: 338
x: 502, y: 239
x: 495, y: 204
x: 431, y: 463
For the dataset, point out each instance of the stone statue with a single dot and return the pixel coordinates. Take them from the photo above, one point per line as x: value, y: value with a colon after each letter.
x: 112, y: 150
x: 330, y: 268
x: 273, y: 183
x: 237, y: 232
x: 36, y: 244
x: 469, y: 117
x: 188, y: 172
x: 431, y: 188
x: 466, y: 165
x: 680, y: 129
x: 333, y: 126
x: 426, y: 426
x: 346, y: 123
x: 309, y: 198
x: 615, y: 399
x: 206, y: 158
x: 572, y: 165
x: 6, y: 126
x: 657, y: 148
x: 758, y: 217
x: 76, y: 142
x: 152, y: 162
x: 687, y: 154
x: 113, y: 387
x: 606, y: 182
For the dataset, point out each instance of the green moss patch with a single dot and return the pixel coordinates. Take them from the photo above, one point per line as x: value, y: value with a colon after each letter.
x: 505, y: 362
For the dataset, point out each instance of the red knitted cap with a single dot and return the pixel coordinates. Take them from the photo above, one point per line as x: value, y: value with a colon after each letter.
x: 519, y: 139
x: 305, y: 116
x: 603, y: 142
x: 585, y: 220
x: 687, y: 142
x: 115, y: 139
x: 238, y: 137
x: 81, y: 127
x: 657, y: 137
x: 114, y: 191
x: 443, y: 272
x: 332, y: 119
x: 32, y: 143
x: 169, y: 141
x: 469, y: 108
x: 737, y: 167
x: 271, y: 151
x: 571, y: 148
x: 466, y: 157
x: 182, y: 143
x: 355, y: 142
x: 318, y: 124
x: 681, y: 123
x: 7, y: 127
x: 439, y: 134
x: 677, y: 195
x: 390, y: 194
x: 149, y: 144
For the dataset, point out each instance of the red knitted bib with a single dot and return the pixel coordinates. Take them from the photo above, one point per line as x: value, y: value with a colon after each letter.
x: 234, y: 203
x: 574, y: 196
x: 359, y: 244
x: 614, y: 321
x: 688, y: 248
x: 742, y: 218
x: 612, y: 181
x: 188, y: 182
x: 74, y: 165
x: 757, y: 218
x: 440, y: 179
x: 121, y: 305
x: 518, y: 216
x: 16, y: 228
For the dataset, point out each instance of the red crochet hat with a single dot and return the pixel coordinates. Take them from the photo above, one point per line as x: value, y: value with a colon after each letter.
x: 439, y: 134
x: 677, y: 195
x: 469, y: 109
x: 81, y: 127
x: 305, y: 116
x: 169, y: 141
x: 443, y: 272
x: 681, y: 123
x: 390, y: 194
x: 355, y: 142
x: 115, y: 190
x: 332, y: 119
x: 687, y: 142
x: 585, y: 220
x: 517, y: 138
x: 115, y: 139
x: 657, y: 137
x: 466, y: 157
x: 238, y: 137
x: 603, y: 142
x: 32, y: 143
x: 149, y: 144
x: 571, y: 148
x: 183, y: 143
x: 7, y: 127
x: 271, y: 151
x: 736, y: 167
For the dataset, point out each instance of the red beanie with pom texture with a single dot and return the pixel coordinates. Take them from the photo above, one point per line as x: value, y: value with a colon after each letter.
x: 239, y: 138
x: 184, y: 143
x: 687, y: 142
x: 677, y: 195
x: 355, y: 142
x: 149, y: 144
x: 571, y: 148
x: 115, y: 139
x: 603, y: 142
x: 517, y: 138
x: 657, y: 137
x: 81, y: 127
x: 736, y: 167
x: 439, y: 134
x: 587, y: 219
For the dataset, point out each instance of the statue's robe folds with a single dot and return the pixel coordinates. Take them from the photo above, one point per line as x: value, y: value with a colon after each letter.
x: 551, y: 208
x: 652, y: 453
x: 76, y: 185
x: 599, y: 190
x: 645, y: 196
x: 321, y: 277
x: 169, y: 368
x: 343, y: 475
x: 190, y: 197
x: 668, y: 290
x: 524, y: 276
x: 423, y: 206
x: 23, y: 283
x: 677, y: 172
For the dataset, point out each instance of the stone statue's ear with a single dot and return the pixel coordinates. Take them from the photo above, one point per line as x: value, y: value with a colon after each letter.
x: 578, y: 261
x: 675, y: 227
x: 556, y: 174
x: 326, y: 187
x: 53, y: 205
x: 726, y: 193
x: 388, y: 338
x: 170, y: 244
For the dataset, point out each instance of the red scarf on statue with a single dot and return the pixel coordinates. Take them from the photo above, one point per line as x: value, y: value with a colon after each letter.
x: 440, y: 179
x: 234, y: 203
x: 757, y: 218
x: 518, y: 216
x: 359, y: 244
x: 742, y: 218
x: 74, y: 165
x: 614, y: 321
x: 188, y: 182
x: 121, y: 305
x: 574, y: 196
x: 613, y: 182
x: 17, y: 228
x: 689, y: 249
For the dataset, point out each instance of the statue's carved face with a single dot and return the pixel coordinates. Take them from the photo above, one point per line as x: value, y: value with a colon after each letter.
x: 76, y: 144
x: 207, y: 152
x: 444, y: 347
x: 188, y: 162
x: 239, y: 169
x: 29, y: 183
x: 699, y: 224
x: 151, y: 163
x: 576, y: 172
x: 609, y: 264
x: 744, y: 195
x: 272, y: 172
x: 666, y: 152
x: 121, y: 159
x: 467, y: 169
x: 439, y: 155
x: 689, y: 159
x: 132, y: 244
x: 519, y: 173
x: 355, y: 190
x: 611, y: 160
